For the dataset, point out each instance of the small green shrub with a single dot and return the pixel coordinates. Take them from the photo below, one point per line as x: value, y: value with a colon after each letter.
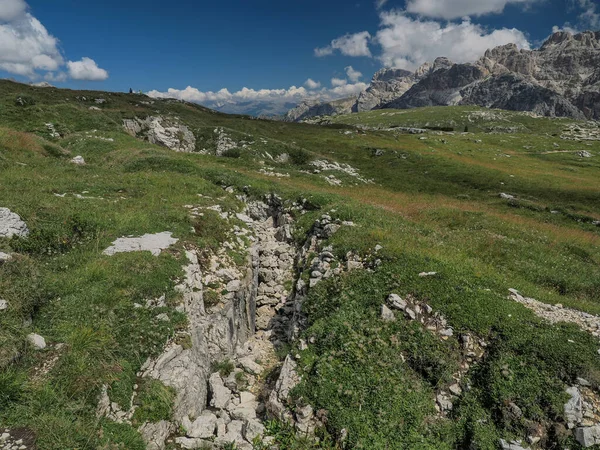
x: 56, y: 238
x: 211, y: 298
x: 299, y: 157
x: 160, y: 164
x: 24, y: 100
x: 54, y: 150
x: 224, y: 367
x: 155, y: 402
x: 232, y: 153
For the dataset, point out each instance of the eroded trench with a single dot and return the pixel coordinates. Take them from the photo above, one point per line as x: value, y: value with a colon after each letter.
x: 239, y: 318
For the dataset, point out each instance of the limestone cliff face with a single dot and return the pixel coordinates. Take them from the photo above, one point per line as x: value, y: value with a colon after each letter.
x: 387, y: 84
x: 561, y: 78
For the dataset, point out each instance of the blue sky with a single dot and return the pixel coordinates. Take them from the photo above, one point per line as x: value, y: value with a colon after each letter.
x: 259, y: 44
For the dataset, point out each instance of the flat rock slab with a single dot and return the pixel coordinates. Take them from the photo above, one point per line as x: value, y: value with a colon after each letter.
x: 11, y: 224
x: 153, y: 243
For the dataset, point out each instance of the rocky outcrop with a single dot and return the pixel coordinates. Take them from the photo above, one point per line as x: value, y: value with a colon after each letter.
x: 11, y: 224
x: 162, y: 131
x: 314, y: 108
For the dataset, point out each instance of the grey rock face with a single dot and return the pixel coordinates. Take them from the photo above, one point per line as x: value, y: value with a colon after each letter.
x: 288, y: 379
x: 386, y: 85
x: 312, y: 108
x: 515, y: 93
x: 155, y: 434
x: 11, y: 224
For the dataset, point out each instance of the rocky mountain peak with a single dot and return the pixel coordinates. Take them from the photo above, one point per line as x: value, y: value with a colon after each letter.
x: 387, y: 74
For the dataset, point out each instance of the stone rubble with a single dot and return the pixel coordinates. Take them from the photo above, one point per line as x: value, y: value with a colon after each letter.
x: 11, y: 224
x: 558, y: 313
x: 52, y: 131
x: 472, y: 349
x: 17, y: 439
x: 582, y: 412
x: 323, y: 166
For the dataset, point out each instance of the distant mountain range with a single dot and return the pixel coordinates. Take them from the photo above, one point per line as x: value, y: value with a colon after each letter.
x: 561, y: 78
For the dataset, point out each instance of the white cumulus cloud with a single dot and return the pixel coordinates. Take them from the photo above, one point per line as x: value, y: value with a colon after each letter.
x: 312, y: 84
x: 346, y: 90
x: 86, y: 69
x: 192, y: 94
x: 453, y: 9
x: 25, y: 44
x: 353, y: 75
x: 356, y: 44
x: 29, y: 50
x: 11, y: 9
x: 407, y: 42
x: 340, y: 89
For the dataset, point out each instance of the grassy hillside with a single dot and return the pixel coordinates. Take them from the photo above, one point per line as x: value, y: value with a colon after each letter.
x: 433, y: 205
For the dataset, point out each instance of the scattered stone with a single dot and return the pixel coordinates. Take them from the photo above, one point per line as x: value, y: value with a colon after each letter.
x: 250, y: 366
x: 427, y: 274
x: 3, y: 305
x: 387, y: 315
x: 584, y: 154
x: 38, y: 342
x: 155, y: 434
x: 444, y: 402
x: 557, y: 313
x: 513, y: 445
x: 153, y: 243
x: 507, y: 196
x: 455, y: 389
x: 203, y: 427
x: 588, y: 436
x: 396, y: 302
x: 5, y: 257
x: 11, y: 224
x: 220, y: 395
x: 78, y: 160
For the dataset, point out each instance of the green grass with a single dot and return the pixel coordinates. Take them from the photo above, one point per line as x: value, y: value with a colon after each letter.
x: 435, y: 206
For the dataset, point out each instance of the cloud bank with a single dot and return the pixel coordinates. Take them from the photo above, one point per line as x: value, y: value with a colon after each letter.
x: 28, y: 49
x: 409, y: 42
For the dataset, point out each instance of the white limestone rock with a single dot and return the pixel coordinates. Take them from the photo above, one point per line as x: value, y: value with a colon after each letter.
x: 78, y: 160
x: 11, y: 224
x: 154, y: 243
x: 38, y: 342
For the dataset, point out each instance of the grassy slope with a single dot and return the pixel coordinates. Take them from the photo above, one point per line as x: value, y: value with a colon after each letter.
x: 434, y: 206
